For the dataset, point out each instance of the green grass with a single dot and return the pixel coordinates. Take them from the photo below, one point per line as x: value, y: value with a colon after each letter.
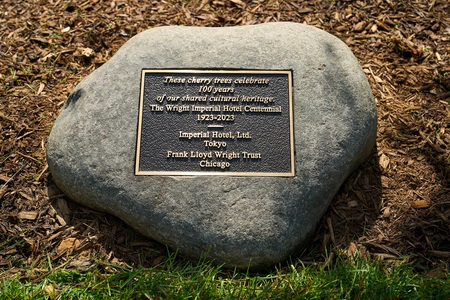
x: 343, y: 279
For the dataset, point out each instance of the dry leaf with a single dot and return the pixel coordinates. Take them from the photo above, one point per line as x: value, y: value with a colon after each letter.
x: 49, y: 289
x: 61, y: 220
x: 351, y: 251
x: 304, y: 10
x: 387, y: 212
x: 383, y: 256
x: 29, y: 198
x: 68, y: 244
x: 87, y: 52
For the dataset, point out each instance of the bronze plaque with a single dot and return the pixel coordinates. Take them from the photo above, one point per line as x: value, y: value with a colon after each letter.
x: 215, y: 122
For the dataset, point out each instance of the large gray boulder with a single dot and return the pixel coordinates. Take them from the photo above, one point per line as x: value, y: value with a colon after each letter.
x: 238, y: 221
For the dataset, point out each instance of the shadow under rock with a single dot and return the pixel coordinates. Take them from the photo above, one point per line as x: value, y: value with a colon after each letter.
x: 354, y: 210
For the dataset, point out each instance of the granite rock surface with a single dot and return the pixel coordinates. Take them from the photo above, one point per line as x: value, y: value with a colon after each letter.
x: 239, y: 221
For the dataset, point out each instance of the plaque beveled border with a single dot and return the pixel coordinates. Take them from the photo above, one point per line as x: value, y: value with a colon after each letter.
x: 216, y: 173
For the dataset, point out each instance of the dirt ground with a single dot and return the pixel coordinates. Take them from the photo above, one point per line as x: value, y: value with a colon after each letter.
x: 396, y: 206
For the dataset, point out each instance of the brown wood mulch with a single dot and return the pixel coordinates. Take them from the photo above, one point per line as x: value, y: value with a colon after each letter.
x: 395, y: 207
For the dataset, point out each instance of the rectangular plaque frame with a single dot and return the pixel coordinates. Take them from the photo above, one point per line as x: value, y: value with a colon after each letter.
x: 222, y: 72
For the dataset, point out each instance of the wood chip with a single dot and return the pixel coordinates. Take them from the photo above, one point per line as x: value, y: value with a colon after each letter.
x: 40, y: 89
x: 442, y: 254
x: 4, y: 178
x: 360, y: 26
x: 87, y: 52
x: 384, y: 161
x: 238, y: 2
x: 39, y: 40
x: 28, y: 215
x: 421, y: 204
x: 352, y: 250
x: 384, y: 256
x: 330, y: 228
x: 61, y: 220
x: 304, y: 10
x: 62, y: 205
x: 23, y: 194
